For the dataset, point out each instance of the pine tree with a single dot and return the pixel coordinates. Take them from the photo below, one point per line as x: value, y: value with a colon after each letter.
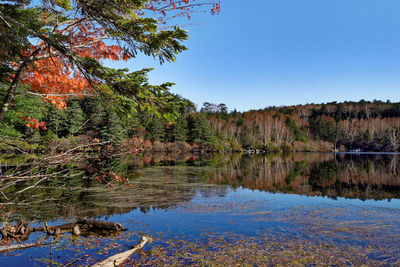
x: 75, y: 117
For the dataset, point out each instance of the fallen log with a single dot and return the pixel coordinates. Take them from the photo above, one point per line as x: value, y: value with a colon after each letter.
x: 83, y: 225
x: 45, y: 228
x: 18, y: 232
x: 118, y: 259
x: 100, y: 225
x: 21, y: 246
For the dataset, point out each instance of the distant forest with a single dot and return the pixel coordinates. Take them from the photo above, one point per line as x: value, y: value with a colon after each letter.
x: 363, y: 125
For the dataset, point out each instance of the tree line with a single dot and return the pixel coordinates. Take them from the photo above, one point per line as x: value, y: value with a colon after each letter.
x: 368, y: 126
x: 363, y: 125
x: 91, y: 118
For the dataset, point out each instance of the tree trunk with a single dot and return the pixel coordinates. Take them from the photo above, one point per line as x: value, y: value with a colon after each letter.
x: 11, y: 90
x: 84, y: 225
x: 14, y: 84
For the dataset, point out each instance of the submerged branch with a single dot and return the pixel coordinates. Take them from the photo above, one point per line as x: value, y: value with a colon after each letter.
x: 119, y: 259
x: 22, y: 246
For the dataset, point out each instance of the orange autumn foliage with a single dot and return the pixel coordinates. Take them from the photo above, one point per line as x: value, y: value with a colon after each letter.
x: 34, y: 124
x: 55, y: 78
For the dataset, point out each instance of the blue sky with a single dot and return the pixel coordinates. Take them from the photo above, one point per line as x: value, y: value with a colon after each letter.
x: 260, y: 53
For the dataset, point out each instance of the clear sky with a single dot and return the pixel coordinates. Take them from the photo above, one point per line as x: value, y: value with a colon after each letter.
x: 260, y: 53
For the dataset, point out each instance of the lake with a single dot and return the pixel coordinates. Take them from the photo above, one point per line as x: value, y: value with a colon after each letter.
x: 226, y: 209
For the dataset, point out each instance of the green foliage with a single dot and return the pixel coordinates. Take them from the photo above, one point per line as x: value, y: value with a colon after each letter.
x: 298, y: 133
x: 22, y: 26
x: 235, y: 146
x: 65, y: 4
x: 24, y: 105
x: 246, y: 139
x: 299, y: 168
x: 156, y: 130
x: 272, y: 148
x: 198, y: 130
x: 323, y: 173
x: 178, y: 131
x: 285, y: 147
x: 75, y: 117
x: 104, y: 122
x: 95, y: 118
x: 57, y: 122
x: 323, y: 130
x: 17, y: 144
x: 15, y: 39
x: 217, y: 144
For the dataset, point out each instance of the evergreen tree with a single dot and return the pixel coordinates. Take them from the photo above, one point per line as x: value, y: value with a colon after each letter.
x: 198, y: 130
x: 75, y: 117
x: 177, y: 132
x: 58, y: 122
x: 156, y: 130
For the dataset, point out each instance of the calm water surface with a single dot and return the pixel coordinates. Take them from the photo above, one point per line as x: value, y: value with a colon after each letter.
x: 290, y: 207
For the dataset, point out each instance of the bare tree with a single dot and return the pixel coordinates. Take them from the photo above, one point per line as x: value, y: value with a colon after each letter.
x: 392, y: 138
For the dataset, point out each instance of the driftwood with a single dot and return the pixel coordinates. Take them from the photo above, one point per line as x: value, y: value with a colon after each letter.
x: 119, y: 259
x: 22, y: 231
x: 101, y: 225
x: 81, y: 226
x: 18, y: 232
x: 21, y: 246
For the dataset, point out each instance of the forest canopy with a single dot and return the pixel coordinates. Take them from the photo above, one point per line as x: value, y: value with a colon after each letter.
x: 57, y: 48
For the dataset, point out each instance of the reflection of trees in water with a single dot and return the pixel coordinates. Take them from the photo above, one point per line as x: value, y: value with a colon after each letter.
x: 69, y: 203
x: 208, y: 192
x: 378, y: 171
x: 394, y: 168
x: 364, y: 177
x: 165, y: 187
x: 157, y: 188
x: 163, y: 159
x: 74, y: 195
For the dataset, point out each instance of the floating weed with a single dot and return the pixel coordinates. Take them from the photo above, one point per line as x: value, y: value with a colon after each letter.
x: 245, y: 251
